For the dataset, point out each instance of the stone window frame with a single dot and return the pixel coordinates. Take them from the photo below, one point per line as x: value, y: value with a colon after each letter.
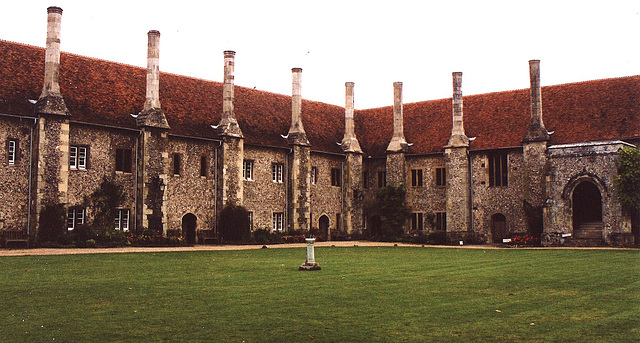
x: 498, y: 169
x: 365, y: 179
x: 441, y: 221
x: 247, y: 170
x: 12, y: 151
x: 314, y: 175
x: 417, y: 176
x: 176, y: 164
x: 75, y: 160
x: 440, y: 176
x: 124, y: 163
x: 382, y: 179
x: 75, y: 216
x: 204, y: 166
x: 278, y: 222
x: 417, y: 221
x: 336, y: 177
x: 122, y: 219
x: 277, y: 171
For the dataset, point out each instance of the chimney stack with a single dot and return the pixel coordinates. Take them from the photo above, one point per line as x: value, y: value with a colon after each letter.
x: 151, y: 114
x: 228, y: 125
x: 153, y: 70
x: 349, y: 142
x: 51, y: 101
x: 227, y: 87
x: 536, y: 132
x: 458, y: 137
x: 296, y: 133
x: 398, y: 142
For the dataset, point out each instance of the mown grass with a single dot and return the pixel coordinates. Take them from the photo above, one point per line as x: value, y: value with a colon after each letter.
x: 361, y: 294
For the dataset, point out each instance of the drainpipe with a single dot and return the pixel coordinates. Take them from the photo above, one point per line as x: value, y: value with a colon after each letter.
x: 135, y: 196
x: 470, y: 192
x: 35, y: 121
x: 286, y: 188
x: 215, y: 187
x: 342, y: 192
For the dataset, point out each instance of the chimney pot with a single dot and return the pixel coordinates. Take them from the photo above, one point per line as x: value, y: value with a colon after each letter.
x: 51, y: 101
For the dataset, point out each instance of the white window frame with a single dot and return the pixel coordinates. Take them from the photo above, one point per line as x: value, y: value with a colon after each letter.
x: 314, y: 175
x: 122, y: 219
x: 11, y: 158
x: 277, y: 170
x: 247, y: 170
x: 278, y: 221
x: 77, y: 157
x: 75, y: 216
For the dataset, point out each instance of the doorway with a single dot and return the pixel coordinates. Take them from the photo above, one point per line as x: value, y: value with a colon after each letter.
x: 499, y: 227
x: 323, y: 226
x: 189, y: 222
x: 587, y: 211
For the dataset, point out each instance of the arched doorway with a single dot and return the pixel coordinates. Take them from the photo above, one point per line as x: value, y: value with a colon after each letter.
x: 189, y: 221
x: 323, y: 226
x: 498, y: 227
x: 587, y: 211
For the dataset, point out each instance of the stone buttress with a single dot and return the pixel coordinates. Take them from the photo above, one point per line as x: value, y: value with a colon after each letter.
x: 154, y: 162
x: 396, y: 161
x: 230, y: 187
x: 299, y: 164
x: 353, y: 184
x: 534, y: 149
x: 51, y: 148
x: 458, y: 193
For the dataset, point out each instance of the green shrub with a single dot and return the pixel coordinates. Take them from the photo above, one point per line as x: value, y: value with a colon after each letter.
x: 52, y: 223
x: 81, y: 234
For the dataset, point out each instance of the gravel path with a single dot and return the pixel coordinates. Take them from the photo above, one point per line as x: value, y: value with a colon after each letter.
x: 77, y: 251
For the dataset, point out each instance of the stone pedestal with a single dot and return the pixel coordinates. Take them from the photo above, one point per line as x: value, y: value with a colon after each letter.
x: 310, y: 263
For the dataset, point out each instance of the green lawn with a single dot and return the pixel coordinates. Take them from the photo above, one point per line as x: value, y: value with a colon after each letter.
x: 361, y: 294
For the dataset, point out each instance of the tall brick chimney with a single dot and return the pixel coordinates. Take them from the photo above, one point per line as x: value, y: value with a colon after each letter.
x: 51, y: 101
x: 297, y: 135
x: 398, y: 142
x: 349, y: 142
x: 536, y: 132
x: 152, y: 115
x: 228, y: 125
x: 458, y: 137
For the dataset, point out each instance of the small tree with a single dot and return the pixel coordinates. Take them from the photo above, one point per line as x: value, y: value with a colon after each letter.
x: 390, y: 203
x: 234, y: 223
x: 628, y: 185
x: 628, y: 179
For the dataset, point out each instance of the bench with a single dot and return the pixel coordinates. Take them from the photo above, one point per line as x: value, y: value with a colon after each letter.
x: 14, y: 236
x: 207, y: 236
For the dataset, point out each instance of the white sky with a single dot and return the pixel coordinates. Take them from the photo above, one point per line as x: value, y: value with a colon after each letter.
x: 372, y: 43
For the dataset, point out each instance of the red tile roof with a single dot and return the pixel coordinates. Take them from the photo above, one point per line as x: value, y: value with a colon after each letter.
x: 103, y: 92
x: 576, y: 112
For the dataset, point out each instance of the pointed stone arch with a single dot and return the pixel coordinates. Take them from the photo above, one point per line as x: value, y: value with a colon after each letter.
x: 585, y: 195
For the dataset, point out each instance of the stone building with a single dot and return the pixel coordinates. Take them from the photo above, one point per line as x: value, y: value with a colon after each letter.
x: 479, y: 168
